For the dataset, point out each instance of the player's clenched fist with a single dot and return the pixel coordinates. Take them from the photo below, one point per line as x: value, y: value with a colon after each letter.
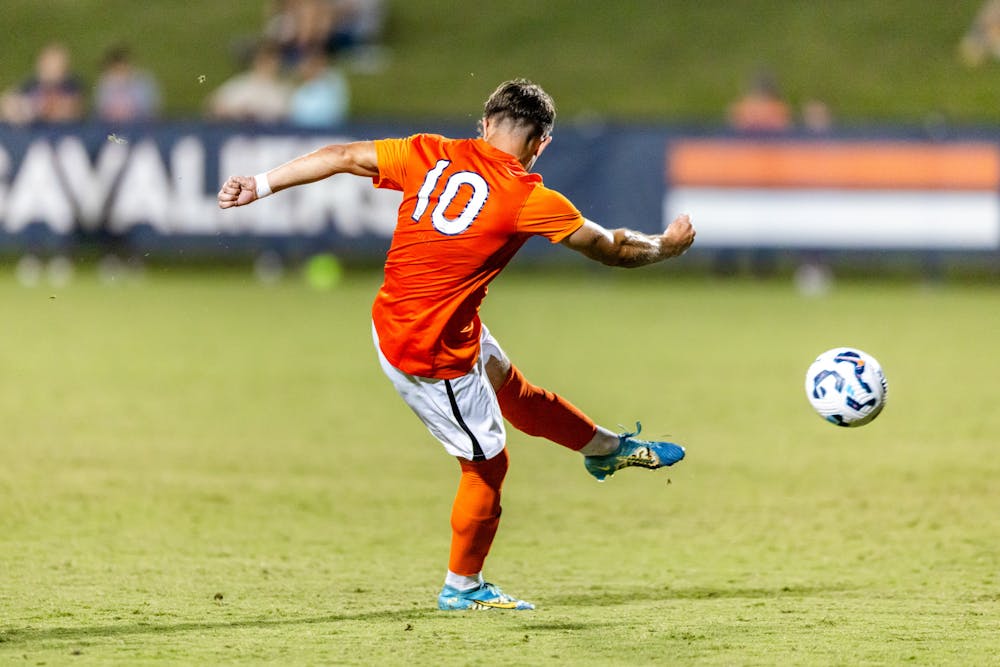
x: 678, y: 236
x: 237, y: 191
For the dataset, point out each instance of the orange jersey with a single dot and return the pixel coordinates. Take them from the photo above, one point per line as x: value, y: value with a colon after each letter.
x: 467, y: 208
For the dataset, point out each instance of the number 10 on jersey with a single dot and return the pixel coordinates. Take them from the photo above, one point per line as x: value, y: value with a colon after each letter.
x: 452, y: 186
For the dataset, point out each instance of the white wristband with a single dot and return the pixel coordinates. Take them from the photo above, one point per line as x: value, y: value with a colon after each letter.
x: 263, y: 187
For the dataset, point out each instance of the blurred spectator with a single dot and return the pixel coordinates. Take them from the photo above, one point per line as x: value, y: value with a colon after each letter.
x: 358, y: 23
x: 301, y: 26
x: 53, y: 94
x: 125, y: 93
x: 323, y: 96
x: 761, y: 108
x: 982, y: 40
x: 816, y: 116
x: 259, y: 94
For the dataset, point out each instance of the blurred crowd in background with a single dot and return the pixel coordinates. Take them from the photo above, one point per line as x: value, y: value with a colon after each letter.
x: 293, y: 72
x: 762, y: 108
x: 294, y: 68
x: 290, y: 73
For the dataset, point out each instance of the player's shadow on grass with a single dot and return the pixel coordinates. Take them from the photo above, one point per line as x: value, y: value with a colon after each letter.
x: 18, y: 636
x: 599, y: 597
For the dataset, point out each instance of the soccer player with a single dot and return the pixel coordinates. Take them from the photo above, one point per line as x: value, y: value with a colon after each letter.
x: 468, y: 206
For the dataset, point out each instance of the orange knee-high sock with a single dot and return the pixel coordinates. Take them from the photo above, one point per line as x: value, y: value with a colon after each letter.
x: 538, y: 412
x: 476, y: 513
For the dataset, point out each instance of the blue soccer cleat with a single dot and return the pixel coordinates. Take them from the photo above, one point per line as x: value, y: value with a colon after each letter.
x: 486, y: 596
x: 633, y: 452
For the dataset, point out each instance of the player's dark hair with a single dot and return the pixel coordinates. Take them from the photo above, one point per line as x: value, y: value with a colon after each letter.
x: 524, y: 104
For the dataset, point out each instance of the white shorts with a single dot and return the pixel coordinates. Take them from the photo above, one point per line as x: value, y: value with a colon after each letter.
x: 463, y: 413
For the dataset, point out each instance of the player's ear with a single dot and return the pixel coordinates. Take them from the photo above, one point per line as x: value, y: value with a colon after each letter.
x: 542, y: 144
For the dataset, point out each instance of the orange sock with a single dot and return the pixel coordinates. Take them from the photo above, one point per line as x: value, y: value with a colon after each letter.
x: 476, y: 513
x: 538, y: 412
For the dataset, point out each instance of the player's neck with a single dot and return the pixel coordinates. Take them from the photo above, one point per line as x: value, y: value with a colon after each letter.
x: 512, y: 145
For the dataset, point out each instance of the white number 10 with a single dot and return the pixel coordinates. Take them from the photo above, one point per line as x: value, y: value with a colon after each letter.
x: 458, y: 224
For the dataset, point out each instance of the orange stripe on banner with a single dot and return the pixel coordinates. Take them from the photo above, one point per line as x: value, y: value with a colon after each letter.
x: 862, y: 165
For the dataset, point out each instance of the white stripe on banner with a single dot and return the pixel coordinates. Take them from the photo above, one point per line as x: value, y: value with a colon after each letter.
x: 896, y: 219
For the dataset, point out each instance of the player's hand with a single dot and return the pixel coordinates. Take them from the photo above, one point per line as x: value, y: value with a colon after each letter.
x: 678, y: 236
x: 238, y: 191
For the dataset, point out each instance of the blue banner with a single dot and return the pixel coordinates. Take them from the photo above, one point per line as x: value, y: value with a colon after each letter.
x: 152, y: 189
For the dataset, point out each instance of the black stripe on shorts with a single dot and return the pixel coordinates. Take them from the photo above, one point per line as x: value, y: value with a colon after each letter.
x: 477, y: 451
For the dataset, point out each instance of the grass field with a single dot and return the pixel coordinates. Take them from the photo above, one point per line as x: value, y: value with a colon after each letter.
x: 199, y: 469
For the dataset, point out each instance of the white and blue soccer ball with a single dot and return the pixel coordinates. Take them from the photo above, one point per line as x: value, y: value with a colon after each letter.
x: 846, y: 386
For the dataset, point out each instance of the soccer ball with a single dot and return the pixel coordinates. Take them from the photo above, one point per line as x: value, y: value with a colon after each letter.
x: 846, y: 386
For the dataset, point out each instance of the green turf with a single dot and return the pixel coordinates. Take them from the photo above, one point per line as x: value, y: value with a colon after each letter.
x: 895, y: 60
x: 198, y: 469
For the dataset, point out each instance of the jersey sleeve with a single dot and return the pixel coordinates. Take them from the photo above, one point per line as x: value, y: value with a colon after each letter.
x: 548, y: 213
x: 391, y: 154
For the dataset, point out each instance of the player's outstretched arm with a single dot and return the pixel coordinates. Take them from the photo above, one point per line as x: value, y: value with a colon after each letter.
x: 627, y: 248
x: 359, y: 158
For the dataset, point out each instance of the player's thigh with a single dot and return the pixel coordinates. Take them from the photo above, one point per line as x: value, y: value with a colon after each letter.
x: 462, y: 413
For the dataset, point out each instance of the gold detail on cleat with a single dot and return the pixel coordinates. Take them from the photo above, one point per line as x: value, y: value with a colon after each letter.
x: 483, y: 605
x: 643, y: 457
